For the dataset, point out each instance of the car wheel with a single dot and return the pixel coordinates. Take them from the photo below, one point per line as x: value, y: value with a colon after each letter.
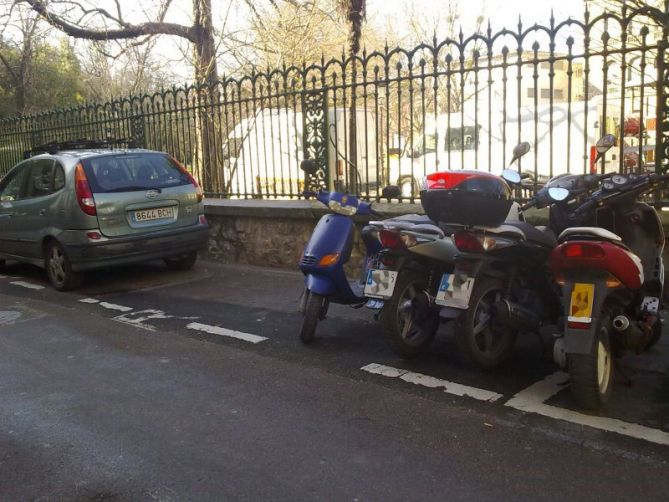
x: 59, y: 269
x: 182, y: 262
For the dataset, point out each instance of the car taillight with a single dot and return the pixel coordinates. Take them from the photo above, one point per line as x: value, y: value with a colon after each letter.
x: 83, y: 191
x: 391, y: 240
x: 582, y: 250
x: 191, y: 178
x: 468, y: 242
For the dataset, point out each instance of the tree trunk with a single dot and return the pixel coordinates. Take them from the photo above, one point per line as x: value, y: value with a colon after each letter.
x: 206, y: 76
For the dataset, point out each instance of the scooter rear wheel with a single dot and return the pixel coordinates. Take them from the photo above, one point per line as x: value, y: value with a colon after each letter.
x: 592, y: 374
x: 406, y: 333
x: 476, y: 333
x: 312, y: 314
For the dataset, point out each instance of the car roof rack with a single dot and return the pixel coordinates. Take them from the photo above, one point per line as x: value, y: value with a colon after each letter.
x: 79, y: 144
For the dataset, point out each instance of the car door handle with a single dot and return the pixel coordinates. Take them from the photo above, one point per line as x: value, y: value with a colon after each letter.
x: 42, y: 212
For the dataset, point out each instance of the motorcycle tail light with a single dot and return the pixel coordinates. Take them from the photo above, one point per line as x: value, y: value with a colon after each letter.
x: 468, y: 242
x: 582, y: 250
x: 391, y: 240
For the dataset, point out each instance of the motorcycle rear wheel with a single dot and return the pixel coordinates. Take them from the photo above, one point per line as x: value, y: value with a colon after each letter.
x: 476, y: 334
x: 405, y: 334
x: 592, y: 374
x: 312, y: 314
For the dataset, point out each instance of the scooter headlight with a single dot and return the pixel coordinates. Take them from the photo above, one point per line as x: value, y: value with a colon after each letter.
x: 340, y: 208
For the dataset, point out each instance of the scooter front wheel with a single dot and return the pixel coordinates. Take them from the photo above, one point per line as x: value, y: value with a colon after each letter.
x: 591, y: 374
x: 313, y: 309
x: 409, y: 323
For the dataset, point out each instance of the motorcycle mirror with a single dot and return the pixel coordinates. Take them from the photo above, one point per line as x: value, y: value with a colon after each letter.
x: 511, y: 176
x: 519, y: 150
x: 309, y: 166
x: 391, y: 192
x: 604, y: 144
x: 558, y: 193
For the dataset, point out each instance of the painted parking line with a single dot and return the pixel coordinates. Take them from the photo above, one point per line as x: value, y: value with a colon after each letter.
x: 89, y: 300
x: 532, y: 400
x: 106, y: 305
x: 28, y: 285
x: 432, y: 382
x: 217, y: 330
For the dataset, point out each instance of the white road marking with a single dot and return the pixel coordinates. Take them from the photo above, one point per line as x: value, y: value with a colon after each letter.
x: 89, y: 300
x: 217, y: 330
x: 113, y: 306
x: 27, y: 285
x: 428, y: 381
x: 147, y: 327
x: 532, y: 400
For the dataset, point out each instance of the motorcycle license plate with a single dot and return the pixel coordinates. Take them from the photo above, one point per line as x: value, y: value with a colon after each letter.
x: 455, y: 290
x: 580, y: 307
x: 380, y: 283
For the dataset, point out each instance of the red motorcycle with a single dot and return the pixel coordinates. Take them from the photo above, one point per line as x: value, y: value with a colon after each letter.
x: 609, y: 264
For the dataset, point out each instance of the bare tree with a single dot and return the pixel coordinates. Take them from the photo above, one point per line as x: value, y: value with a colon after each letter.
x: 83, y: 19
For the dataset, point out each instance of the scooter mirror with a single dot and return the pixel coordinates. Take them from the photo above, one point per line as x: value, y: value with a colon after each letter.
x: 511, y: 176
x: 519, y: 150
x: 391, y: 192
x: 604, y: 144
x: 309, y: 166
x: 558, y: 194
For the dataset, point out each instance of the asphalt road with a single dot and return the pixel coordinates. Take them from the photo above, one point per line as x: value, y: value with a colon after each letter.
x: 155, y: 385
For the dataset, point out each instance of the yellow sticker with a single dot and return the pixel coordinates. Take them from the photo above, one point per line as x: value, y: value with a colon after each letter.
x: 582, y: 296
x: 344, y: 199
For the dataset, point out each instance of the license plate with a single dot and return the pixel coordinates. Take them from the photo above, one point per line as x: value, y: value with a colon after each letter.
x: 455, y: 290
x: 582, y: 297
x: 380, y: 283
x: 158, y: 213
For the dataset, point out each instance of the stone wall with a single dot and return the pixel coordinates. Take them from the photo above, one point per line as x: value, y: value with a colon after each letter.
x: 274, y: 233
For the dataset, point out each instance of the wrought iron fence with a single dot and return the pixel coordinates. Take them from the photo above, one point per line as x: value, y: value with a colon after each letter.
x: 397, y: 115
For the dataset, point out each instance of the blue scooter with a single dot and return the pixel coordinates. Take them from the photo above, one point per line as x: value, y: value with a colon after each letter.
x: 328, y: 249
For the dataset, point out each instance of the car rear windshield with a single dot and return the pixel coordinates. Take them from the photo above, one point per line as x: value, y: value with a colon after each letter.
x: 126, y: 172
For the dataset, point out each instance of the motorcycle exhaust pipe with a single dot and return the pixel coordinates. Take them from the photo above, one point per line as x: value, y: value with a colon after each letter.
x: 621, y: 323
x: 515, y: 316
x: 635, y: 335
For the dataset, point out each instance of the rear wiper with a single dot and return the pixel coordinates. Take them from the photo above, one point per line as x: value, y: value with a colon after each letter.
x: 132, y: 188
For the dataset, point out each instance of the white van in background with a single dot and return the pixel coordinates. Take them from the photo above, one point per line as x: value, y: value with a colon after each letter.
x: 480, y: 145
x: 262, y: 154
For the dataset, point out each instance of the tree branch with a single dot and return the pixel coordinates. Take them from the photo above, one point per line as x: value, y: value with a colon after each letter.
x: 127, y: 31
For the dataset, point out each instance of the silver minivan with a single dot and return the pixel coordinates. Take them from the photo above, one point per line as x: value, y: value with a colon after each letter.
x: 75, y: 210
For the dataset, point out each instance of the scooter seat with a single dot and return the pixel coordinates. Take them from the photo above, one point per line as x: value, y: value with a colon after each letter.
x: 538, y: 235
x: 589, y: 233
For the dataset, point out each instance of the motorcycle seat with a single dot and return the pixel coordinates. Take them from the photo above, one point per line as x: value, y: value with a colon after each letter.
x: 429, y: 229
x: 590, y: 233
x: 538, y: 235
